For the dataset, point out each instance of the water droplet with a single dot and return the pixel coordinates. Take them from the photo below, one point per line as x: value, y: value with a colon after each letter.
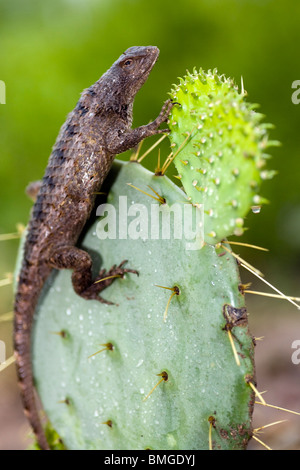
x: 256, y: 209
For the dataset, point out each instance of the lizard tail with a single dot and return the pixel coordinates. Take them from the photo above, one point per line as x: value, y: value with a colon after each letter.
x: 25, y: 303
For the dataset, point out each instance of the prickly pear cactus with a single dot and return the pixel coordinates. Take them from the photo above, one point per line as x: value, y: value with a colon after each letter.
x: 169, y: 364
x: 220, y: 147
x: 166, y: 377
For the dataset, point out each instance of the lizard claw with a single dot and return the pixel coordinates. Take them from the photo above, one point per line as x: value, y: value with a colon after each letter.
x: 105, y: 279
x: 163, y: 131
x: 164, y: 114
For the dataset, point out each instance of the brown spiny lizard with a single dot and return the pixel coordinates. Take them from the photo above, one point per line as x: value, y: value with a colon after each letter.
x: 95, y: 131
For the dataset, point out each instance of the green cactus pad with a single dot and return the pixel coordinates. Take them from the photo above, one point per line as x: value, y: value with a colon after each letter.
x: 100, y: 402
x: 220, y: 146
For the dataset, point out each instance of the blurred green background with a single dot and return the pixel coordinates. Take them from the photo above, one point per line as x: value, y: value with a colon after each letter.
x: 52, y: 49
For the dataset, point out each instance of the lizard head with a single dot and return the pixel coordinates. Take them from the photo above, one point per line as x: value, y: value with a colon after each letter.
x: 132, y: 69
x: 116, y: 88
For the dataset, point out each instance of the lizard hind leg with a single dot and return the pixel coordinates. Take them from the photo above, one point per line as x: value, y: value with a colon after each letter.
x: 71, y: 257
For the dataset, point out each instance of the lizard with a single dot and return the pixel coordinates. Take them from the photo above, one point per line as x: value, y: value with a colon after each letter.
x: 98, y: 129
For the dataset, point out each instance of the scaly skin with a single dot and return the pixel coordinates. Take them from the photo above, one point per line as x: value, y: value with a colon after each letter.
x: 95, y: 131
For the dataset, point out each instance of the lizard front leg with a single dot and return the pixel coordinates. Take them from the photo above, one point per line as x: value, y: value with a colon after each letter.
x: 129, y: 138
x: 70, y: 257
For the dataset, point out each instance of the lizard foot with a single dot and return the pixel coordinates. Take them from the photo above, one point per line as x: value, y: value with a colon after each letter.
x: 163, y: 116
x: 105, y: 279
x: 164, y: 113
x: 71, y: 257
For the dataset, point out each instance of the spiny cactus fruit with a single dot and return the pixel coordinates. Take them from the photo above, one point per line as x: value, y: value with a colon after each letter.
x: 166, y: 377
x: 220, y: 148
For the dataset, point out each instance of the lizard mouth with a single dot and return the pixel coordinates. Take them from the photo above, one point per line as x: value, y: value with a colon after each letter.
x: 153, y: 51
x: 149, y: 59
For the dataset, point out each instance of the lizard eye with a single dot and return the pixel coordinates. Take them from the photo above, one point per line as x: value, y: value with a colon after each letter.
x: 127, y: 62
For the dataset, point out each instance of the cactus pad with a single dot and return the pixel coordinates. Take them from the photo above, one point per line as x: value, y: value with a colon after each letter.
x: 103, y: 401
x: 220, y: 145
